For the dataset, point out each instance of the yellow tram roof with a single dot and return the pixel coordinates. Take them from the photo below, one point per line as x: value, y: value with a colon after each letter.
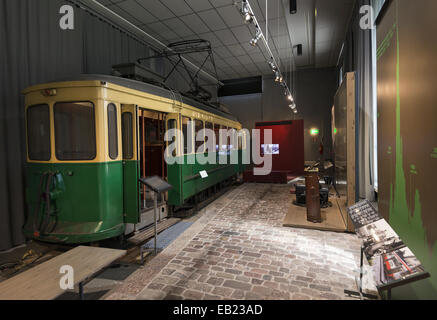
x: 96, y: 80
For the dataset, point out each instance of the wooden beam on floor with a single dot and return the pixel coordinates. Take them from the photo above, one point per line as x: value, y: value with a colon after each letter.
x: 148, y: 233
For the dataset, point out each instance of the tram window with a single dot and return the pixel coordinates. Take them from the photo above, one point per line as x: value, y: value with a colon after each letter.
x: 209, y: 126
x: 112, y: 131
x: 225, y: 141
x: 127, y: 135
x: 199, y: 144
x: 217, y: 136
x: 228, y: 138
x: 171, y: 124
x: 240, y: 141
x: 232, y: 131
x: 188, y: 147
x: 75, y: 131
x: 38, y: 132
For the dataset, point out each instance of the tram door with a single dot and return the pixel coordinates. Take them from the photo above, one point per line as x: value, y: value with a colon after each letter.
x: 151, y: 152
x: 131, y: 189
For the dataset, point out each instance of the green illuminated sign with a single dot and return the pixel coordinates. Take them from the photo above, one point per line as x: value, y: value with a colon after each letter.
x: 315, y: 132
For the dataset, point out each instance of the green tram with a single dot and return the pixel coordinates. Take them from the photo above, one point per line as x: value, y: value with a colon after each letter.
x: 90, y: 139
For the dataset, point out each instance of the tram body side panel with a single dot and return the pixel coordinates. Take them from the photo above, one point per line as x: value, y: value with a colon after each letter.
x: 186, y: 177
x: 81, y: 211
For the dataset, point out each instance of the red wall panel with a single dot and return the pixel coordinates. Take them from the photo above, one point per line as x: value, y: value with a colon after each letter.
x: 290, y: 137
x: 291, y: 158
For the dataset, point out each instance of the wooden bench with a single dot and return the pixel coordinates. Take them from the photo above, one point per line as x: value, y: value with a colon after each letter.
x: 43, y: 281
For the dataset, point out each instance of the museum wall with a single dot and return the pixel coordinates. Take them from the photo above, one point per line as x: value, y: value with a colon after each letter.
x: 407, y: 132
x: 247, y: 108
x: 315, y: 90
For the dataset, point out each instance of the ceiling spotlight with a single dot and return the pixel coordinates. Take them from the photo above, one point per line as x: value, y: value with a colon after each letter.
x: 258, y: 36
x: 295, y: 111
x: 273, y: 66
x: 278, y: 77
x: 248, y: 18
x: 290, y: 97
x: 292, y: 106
x: 245, y: 12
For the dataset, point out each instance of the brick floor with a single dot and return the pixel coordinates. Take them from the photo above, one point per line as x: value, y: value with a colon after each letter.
x: 238, y: 249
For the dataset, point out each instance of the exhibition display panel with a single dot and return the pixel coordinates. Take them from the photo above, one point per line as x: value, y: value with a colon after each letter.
x: 393, y: 263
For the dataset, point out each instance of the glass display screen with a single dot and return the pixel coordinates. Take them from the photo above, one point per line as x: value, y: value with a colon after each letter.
x: 270, y: 148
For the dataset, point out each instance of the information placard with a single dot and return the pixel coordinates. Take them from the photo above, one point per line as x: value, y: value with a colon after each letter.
x: 393, y: 263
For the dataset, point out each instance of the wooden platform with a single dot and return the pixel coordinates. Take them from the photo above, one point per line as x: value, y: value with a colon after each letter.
x: 149, y: 233
x: 332, y: 218
x: 43, y: 281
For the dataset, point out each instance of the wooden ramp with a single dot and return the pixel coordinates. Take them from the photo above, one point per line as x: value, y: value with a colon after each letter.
x: 43, y: 281
x: 149, y: 233
x: 332, y: 218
